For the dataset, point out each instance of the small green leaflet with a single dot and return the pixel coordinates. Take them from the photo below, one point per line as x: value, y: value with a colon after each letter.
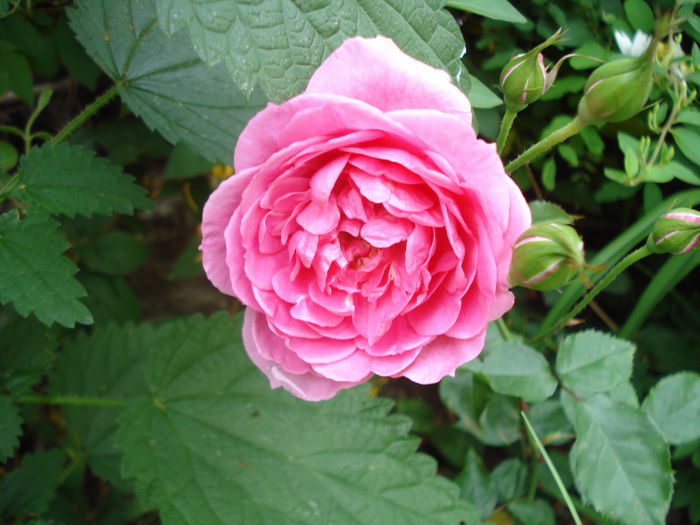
x: 620, y: 462
x: 10, y: 428
x: 201, y: 431
x: 34, y: 273
x: 161, y: 79
x: 518, y: 370
x: 496, y: 9
x: 673, y: 405
x: 280, y: 43
x: 72, y: 180
x: 590, y: 362
x: 30, y: 488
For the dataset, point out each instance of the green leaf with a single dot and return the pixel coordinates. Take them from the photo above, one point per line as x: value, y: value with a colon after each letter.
x: 496, y: 9
x: 476, y: 484
x: 550, y: 422
x: 466, y: 395
x: 73, y: 56
x: 500, y: 421
x: 673, y: 405
x: 10, y: 428
x: 537, y: 512
x: 26, y: 351
x: 19, y: 74
x: 620, y: 462
x: 184, y: 163
x: 689, y: 116
x: 688, y: 141
x: 543, y: 211
x: 640, y: 15
x: 481, y: 96
x: 518, y: 370
x: 114, y: 253
x: 209, y: 424
x: 30, y: 488
x: 189, y: 262
x: 510, y: 479
x: 282, y: 49
x: 72, y: 180
x: 34, y: 273
x: 110, y: 364
x: 590, y: 362
x: 161, y: 79
x: 110, y: 299
x: 549, y: 174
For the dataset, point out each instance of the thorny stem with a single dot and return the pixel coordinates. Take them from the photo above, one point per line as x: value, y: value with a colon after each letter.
x: 560, y: 135
x: 84, y: 115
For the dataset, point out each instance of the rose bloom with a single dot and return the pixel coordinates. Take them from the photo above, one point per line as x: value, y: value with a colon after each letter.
x: 367, y: 229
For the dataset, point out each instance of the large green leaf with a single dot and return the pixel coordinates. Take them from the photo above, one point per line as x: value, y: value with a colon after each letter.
x: 72, y: 180
x: 620, y: 462
x: 496, y: 9
x: 674, y: 407
x: 207, y: 441
x: 110, y: 363
x: 280, y: 43
x: 518, y: 370
x: 34, y: 273
x: 590, y: 362
x: 162, y: 79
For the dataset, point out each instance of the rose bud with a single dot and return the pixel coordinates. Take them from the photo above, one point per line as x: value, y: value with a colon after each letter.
x: 524, y: 79
x: 547, y: 256
x: 676, y: 232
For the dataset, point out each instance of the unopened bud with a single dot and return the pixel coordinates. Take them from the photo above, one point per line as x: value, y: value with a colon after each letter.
x: 524, y: 79
x: 618, y: 90
x: 678, y: 231
x: 546, y: 256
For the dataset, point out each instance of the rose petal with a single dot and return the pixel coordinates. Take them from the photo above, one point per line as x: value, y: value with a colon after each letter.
x: 384, y: 231
x: 377, y: 72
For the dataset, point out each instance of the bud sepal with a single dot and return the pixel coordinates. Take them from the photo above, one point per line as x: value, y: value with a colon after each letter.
x: 676, y: 232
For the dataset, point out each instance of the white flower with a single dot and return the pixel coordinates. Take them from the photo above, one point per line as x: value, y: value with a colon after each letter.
x: 632, y: 47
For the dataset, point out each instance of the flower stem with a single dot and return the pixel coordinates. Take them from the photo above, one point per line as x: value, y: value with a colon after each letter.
x: 609, y: 277
x: 506, y: 124
x: 557, y: 479
x: 560, y: 135
x: 84, y: 115
x: 70, y: 400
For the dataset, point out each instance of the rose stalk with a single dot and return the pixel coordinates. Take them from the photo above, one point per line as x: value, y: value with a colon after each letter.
x: 367, y: 229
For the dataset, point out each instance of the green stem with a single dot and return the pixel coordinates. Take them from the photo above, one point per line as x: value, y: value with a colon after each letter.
x: 70, y: 400
x: 506, y: 124
x: 88, y: 112
x: 609, y: 277
x: 552, y: 470
x: 560, y: 135
x: 503, y: 328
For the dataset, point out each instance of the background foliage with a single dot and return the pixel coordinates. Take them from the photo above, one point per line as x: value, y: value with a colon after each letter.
x: 120, y: 403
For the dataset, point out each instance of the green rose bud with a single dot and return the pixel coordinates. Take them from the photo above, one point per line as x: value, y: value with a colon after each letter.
x: 546, y: 257
x: 676, y: 232
x: 523, y: 80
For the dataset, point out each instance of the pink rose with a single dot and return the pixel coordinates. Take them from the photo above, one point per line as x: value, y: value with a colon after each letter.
x: 367, y: 229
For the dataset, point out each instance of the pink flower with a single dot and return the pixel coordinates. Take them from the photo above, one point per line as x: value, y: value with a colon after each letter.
x: 367, y: 229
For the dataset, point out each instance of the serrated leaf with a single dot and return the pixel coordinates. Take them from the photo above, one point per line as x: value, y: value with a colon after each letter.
x: 161, y: 79
x: 280, y: 43
x: 590, y: 362
x: 10, y: 428
x: 673, y: 405
x: 26, y: 351
x: 30, y: 488
x: 620, y: 462
x: 209, y: 442
x: 72, y: 180
x: 34, y: 273
x: 110, y: 364
x: 516, y: 369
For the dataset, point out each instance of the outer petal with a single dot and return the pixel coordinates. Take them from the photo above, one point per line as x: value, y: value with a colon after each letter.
x: 442, y: 356
x: 377, y: 72
x: 308, y: 386
x: 216, y: 216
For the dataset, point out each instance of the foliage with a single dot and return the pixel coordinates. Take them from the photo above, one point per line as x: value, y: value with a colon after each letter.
x: 121, y: 403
